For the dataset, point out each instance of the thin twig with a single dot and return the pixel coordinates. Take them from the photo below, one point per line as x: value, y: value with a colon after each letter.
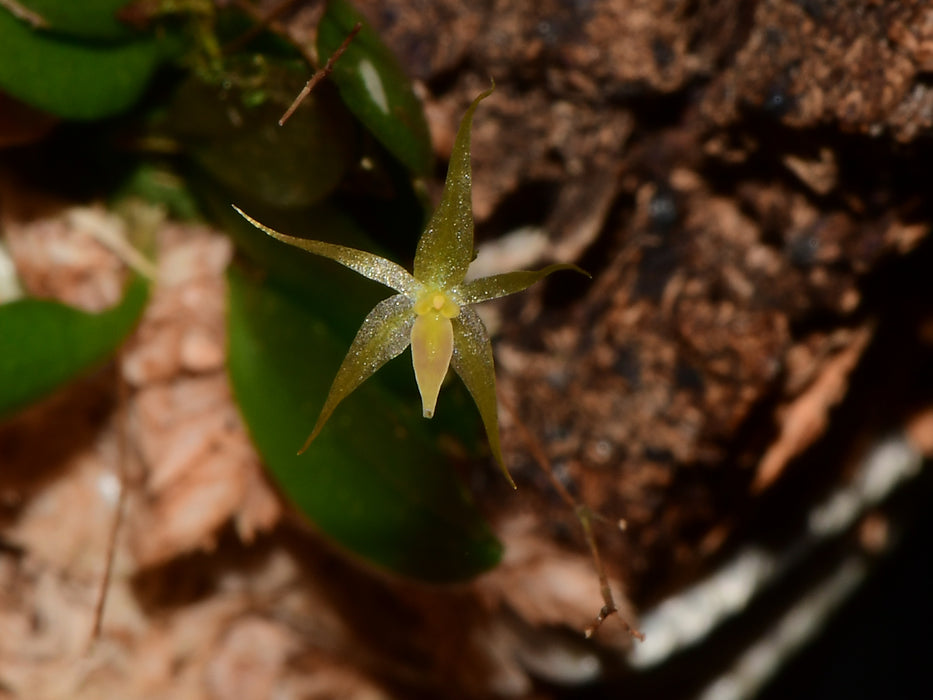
x: 262, y: 21
x: 122, y: 454
x: 585, y: 515
x: 24, y: 13
x: 321, y: 74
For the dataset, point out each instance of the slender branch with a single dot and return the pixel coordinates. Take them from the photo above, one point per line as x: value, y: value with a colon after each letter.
x: 24, y: 13
x: 585, y: 515
x: 262, y: 21
x: 122, y: 455
x: 321, y: 74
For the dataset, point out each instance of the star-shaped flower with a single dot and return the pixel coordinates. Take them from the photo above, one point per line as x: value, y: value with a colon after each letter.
x: 431, y: 311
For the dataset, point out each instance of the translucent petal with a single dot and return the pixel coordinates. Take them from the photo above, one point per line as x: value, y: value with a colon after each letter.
x: 432, y: 344
x: 369, y: 265
x: 446, y: 246
x: 472, y: 360
x: 496, y: 286
x: 385, y: 333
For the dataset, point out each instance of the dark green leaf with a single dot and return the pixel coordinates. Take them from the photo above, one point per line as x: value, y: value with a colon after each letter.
x: 375, y: 87
x: 96, y: 19
x: 376, y: 480
x: 231, y: 130
x: 44, y: 343
x: 72, y: 78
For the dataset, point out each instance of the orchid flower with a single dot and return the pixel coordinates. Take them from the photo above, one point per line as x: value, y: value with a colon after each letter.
x: 431, y: 311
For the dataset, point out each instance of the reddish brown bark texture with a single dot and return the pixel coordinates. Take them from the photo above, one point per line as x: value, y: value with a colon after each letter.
x: 738, y: 176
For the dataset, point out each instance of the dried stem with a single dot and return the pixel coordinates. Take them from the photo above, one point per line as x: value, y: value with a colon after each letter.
x: 122, y: 455
x: 24, y: 13
x: 321, y: 74
x: 262, y: 21
x: 268, y: 21
x: 585, y: 515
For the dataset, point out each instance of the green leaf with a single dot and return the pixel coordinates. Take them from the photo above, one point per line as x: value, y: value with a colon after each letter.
x: 230, y: 128
x: 95, y: 19
x: 158, y: 184
x: 76, y: 79
x: 44, y: 344
x: 375, y: 88
x: 376, y: 481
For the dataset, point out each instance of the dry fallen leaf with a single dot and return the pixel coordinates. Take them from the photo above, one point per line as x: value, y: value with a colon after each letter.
x: 807, y: 416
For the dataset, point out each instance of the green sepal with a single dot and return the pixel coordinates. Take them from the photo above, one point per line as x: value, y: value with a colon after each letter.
x: 369, y: 265
x: 445, y: 250
x: 384, y: 335
x: 495, y: 286
x: 472, y: 361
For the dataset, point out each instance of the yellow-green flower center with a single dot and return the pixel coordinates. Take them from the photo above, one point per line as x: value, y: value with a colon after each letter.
x: 437, y: 302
